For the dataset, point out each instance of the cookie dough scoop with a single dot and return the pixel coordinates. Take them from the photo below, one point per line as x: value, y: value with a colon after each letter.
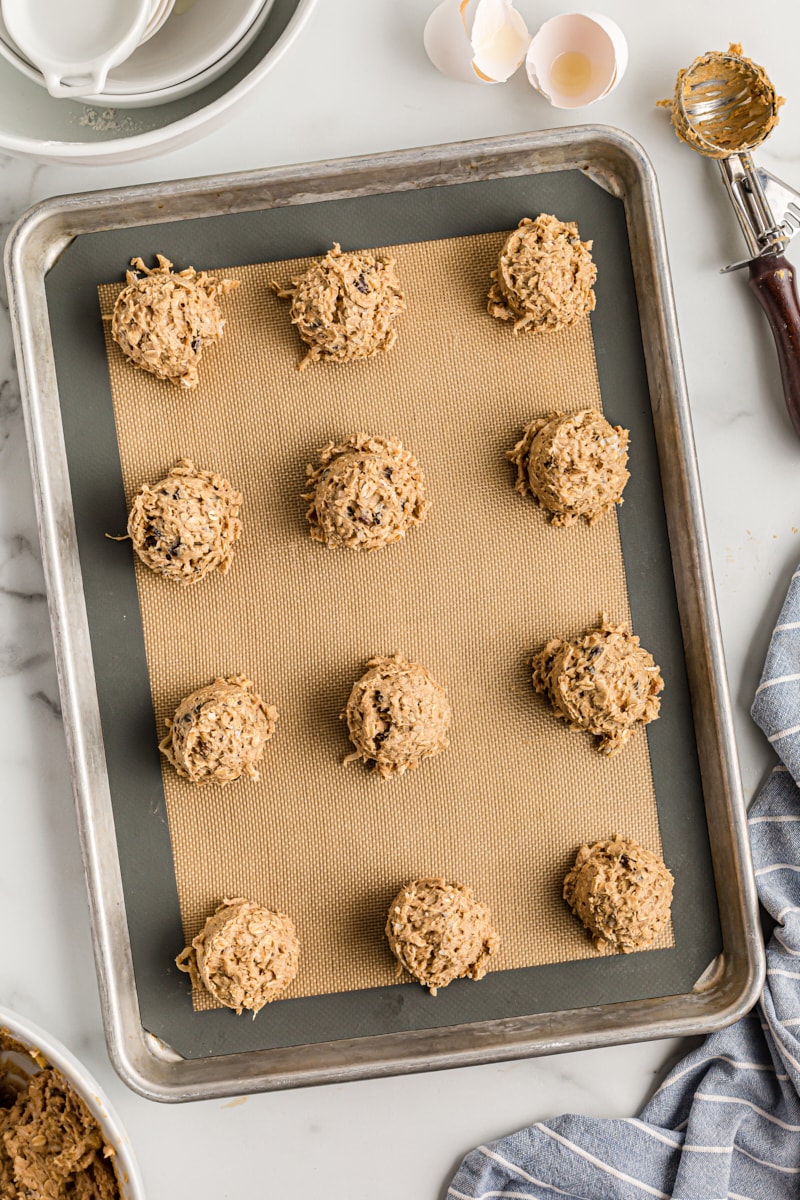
x: 219, y: 732
x: 574, y: 466
x: 605, y: 683
x: 724, y: 107
x: 621, y: 892
x: 544, y: 277
x: 186, y: 525
x: 439, y: 932
x: 245, y: 956
x: 163, y: 320
x: 345, y: 306
x: 365, y: 493
x: 397, y: 716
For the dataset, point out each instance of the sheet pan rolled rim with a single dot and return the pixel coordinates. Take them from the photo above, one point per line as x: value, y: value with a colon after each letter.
x: 619, y: 164
x: 152, y: 1073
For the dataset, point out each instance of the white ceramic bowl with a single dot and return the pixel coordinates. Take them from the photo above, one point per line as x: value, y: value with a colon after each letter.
x: 186, y: 44
x: 158, y: 15
x: 34, y: 125
x: 194, y: 83
x: 192, y: 48
x: 87, y: 1087
x: 163, y: 95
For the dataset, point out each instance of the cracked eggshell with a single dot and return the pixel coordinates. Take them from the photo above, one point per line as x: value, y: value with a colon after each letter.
x: 577, y: 59
x: 476, y: 41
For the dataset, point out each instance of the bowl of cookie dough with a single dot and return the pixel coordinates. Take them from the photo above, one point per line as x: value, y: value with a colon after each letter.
x: 59, y: 1136
x: 34, y: 124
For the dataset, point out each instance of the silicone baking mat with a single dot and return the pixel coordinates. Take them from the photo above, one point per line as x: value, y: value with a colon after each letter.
x: 471, y: 594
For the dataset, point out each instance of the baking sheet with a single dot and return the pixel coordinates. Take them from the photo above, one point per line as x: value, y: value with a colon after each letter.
x: 515, y: 795
x: 121, y: 674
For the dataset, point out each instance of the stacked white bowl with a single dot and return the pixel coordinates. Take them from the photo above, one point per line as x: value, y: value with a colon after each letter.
x: 184, y: 45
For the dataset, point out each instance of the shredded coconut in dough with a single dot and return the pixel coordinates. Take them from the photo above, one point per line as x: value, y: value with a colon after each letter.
x: 219, y: 732
x: 439, y: 932
x: 244, y: 956
x: 544, y: 277
x: 621, y: 892
x: 605, y: 683
x: 187, y: 524
x: 573, y: 466
x: 345, y: 306
x: 50, y: 1144
x: 162, y: 319
x: 365, y: 493
x: 397, y: 715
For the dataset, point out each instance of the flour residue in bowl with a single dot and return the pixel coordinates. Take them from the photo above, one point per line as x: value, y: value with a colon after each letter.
x: 108, y: 120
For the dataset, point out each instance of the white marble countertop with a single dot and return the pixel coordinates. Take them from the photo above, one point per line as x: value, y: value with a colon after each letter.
x: 342, y: 1141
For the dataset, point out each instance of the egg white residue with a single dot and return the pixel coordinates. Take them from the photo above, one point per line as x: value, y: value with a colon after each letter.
x: 577, y: 59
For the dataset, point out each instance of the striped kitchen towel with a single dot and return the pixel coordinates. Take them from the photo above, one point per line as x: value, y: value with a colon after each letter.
x: 725, y: 1124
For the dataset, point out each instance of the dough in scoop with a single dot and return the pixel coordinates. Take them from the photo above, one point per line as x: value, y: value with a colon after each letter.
x: 544, y: 277
x: 163, y: 320
x: 621, y: 892
x: 397, y: 715
x: 365, y: 493
x: 187, y: 524
x: 725, y: 127
x: 219, y: 732
x: 605, y: 683
x: 573, y: 466
x: 345, y: 306
x: 439, y: 932
x: 244, y: 956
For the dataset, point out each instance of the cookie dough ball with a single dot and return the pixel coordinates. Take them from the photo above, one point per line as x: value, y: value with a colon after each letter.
x: 605, y: 683
x: 345, y: 306
x: 163, y: 320
x: 544, y: 277
x: 397, y: 715
x: 187, y: 524
x: 245, y: 955
x: 621, y: 892
x: 219, y: 732
x: 439, y: 932
x: 365, y: 493
x: 574, y: 466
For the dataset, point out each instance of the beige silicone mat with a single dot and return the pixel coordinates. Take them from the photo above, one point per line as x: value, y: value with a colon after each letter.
x: 471, y: 594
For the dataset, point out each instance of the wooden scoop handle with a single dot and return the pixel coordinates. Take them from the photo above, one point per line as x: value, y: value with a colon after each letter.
x: 772, y: 279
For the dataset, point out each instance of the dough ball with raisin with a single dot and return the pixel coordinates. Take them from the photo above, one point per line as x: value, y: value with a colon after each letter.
x: 621, y: 892
x: 397, y: 716
x: 544, y: 277
x: 364, y: 493
x: 219, y: 732
x: 187, y: 524
x: 164, y: 319
x: 574, y: 466
x: 605, y: 683
x: 345, y: 306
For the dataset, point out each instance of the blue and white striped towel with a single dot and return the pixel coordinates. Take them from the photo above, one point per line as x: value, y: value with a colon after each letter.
x: 725, y: 1124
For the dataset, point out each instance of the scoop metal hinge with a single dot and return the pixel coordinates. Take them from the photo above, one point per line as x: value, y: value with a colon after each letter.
x: 768, y: 210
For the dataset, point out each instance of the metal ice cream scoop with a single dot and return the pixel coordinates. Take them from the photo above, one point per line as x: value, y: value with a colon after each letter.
x: 724, y: 107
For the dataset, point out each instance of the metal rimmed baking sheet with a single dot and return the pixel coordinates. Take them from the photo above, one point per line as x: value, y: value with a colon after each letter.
x: 445, y: 191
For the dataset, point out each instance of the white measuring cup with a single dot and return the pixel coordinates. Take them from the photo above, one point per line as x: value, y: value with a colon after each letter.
x: 75, y: 43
